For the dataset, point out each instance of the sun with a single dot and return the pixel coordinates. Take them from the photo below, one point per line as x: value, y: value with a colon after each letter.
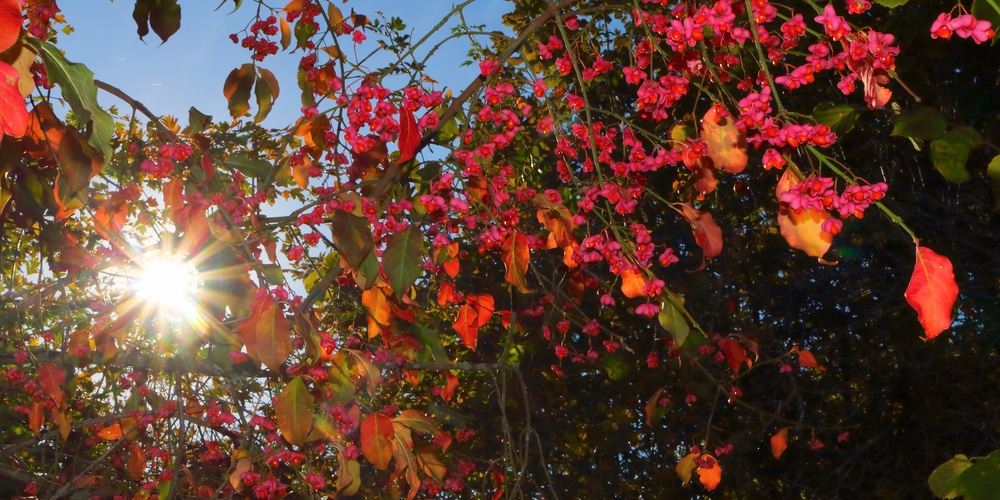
x: 168, y: 283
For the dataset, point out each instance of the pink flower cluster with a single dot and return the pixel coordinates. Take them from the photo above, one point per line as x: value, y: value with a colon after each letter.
x: 965, y: 26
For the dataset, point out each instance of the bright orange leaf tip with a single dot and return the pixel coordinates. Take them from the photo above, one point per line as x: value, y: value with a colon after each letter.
x: 708, y: 469
x: 779, y: 442
x: 932, y: 291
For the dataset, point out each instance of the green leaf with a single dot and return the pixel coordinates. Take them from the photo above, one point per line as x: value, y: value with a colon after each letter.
x: 950, y: 152
x: 403, y: 259
x: 922, y: 123
x: 165, y: 18
x: 982, y: 480
x: 891, y: 3
x: 944, y: 480
x: 616, y: 367
x: 294, y: 411
x: 237, y: 89
x: 367, y: 272
x: 672, y: 320
x: 840, y: 119
x: 76, y: 83
x: 352, y: 234
x: 249, y: 166
x: 986, y: 10
x: 197, y: 121
x: 431, y: 342
x: 266, y: 92
x: 993, y: 172
x: 141, y: 16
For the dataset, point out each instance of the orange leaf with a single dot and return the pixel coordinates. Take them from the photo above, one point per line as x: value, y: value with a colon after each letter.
x: 807, y: 360
x: 409, y: 138
x: 376, y: 299
x: 516, y: 255
x: 376, y: 439
x: 932, y: 291
x: 707, y: 234
x: 136, y: 462
x: 242, y: 465
x: 727, y: 145
x: 632, y: 283
x: 779, y: 442
x: 61, y: 417
x: 446, y: 293
x: 802, y: 231
x: 237, y: 89
x: 483, y: 305
x: 51, y: 377
x: 267, y: 333
x: 450, y: 385
x: 300, y: 173
x: 125, y: 427
x: 710, y: 476
x: 735, y: 353
x: 36, y: 416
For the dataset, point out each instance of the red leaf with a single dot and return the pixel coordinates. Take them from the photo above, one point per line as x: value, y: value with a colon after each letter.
x: 465, y: 326
x: 727, y: 145
x: 932, y: 291
x: 707, y: 234
x: 735, y: 353
x: 409, y: 138
x: 13, y: 112
x: 710, y: 476
x: 267, y: 333
x: 516, y: 255
x: 483, y: 305
x: 376, y: 439
x: 10, y: 23
x: 779, y: 442
x: 51, y: 377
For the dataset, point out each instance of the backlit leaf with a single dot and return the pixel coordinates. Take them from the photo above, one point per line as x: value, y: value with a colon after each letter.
x: 266, y: 92
x: 237, y: 89
x: 710, y: 477
x: 418, y: 421
x: 932, y: 291
x: 76, y: 83
x: 252, y: 167
x: 516, y: 255
x: 779, y: 442
x: 981, y: 481
x: 273, y: 333
x: 10, y: 23
x: 376, y: 439
x: 36, y: 416
x: 352, y: 235
x: 294, y: 411
x: 735, y: 353
x: 671, y: 318
x: 686, y: 467
x: 807, y: 360
x: 804, y: 230
x: 727, y: 144
x: 944, y: 481
x: 707, y: 234
x: 403, y: 259
x: 377, y: 301
x: 13, y: 112
x: 409, y: 137
x: 51, y: 377
x: 465, y: 326
x: 632, y: 283
x: 136, y: 466
x: 286, y: 33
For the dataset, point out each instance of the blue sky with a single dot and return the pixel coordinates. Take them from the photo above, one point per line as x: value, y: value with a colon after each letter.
x: 190, y: 68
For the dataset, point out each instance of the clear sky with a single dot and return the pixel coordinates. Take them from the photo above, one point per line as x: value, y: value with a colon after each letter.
x: 190, y: 68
